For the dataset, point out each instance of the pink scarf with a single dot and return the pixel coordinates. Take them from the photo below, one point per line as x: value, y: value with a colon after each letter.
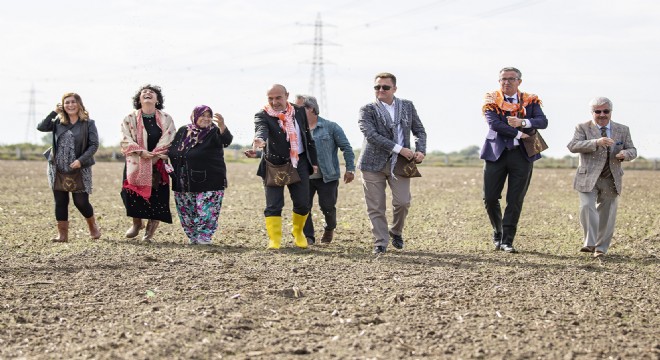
x: 286, y: 121
x: 139, y: 171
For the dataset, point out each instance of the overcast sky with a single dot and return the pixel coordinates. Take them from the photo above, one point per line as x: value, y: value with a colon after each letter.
x: 225, y: 54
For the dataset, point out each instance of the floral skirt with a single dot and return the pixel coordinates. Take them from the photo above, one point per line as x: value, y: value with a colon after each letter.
x: 199, y: 212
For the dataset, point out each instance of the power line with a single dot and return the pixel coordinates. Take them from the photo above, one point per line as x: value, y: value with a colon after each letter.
x: 317, y: 78
x: 31, y: 126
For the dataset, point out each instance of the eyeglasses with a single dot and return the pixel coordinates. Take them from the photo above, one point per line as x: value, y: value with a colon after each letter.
x: 606, y: 111
x: 509, y: 79
x: 384, y: 87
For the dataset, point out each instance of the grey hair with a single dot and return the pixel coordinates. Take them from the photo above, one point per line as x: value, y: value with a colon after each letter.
x: 599, y: 101
x: 512, y: 69
x: 311, y: 102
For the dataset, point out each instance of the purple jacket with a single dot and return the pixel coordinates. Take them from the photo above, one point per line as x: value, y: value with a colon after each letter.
x: 501, y: 134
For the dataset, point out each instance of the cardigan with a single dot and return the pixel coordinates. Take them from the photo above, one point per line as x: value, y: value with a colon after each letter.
x: 85, y: 156
x: 202, y: 167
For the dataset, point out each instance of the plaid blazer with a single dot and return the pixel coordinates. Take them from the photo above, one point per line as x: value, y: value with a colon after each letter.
x: 379, y: 138
x: 593, y: 157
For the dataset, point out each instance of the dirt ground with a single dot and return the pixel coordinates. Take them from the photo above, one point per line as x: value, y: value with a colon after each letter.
x: 446, y: 295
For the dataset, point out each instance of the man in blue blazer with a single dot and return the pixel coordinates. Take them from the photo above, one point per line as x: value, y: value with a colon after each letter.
x: 511, y: 115
x: 386, y: 125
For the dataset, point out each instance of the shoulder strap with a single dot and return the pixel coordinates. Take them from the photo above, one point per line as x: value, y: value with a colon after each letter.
x: 85, y: 134
x: 54, y: 148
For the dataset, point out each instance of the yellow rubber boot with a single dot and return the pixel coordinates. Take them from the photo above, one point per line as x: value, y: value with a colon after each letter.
x: 274, y: 229
x: 298, y: 223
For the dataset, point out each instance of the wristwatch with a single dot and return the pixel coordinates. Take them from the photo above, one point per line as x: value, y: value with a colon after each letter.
x: 524, y: 123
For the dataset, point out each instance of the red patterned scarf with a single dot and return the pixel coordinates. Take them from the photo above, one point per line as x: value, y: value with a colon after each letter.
x: 139, y: 171
x: 286, y: 121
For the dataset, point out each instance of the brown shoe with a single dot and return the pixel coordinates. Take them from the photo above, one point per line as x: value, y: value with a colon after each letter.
x: 94, y: 230
x: 134, y: 230
x: 588, y: 249
x: 152, y: 225
x: 598, y: 254
x: 327, y: 236
x: 62, y: 232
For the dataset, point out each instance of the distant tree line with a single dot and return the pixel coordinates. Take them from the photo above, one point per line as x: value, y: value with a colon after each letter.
x: 468, y: 156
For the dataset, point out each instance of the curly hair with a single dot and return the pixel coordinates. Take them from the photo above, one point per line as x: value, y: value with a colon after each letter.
x: 154, y: 88
x: 82, y: 112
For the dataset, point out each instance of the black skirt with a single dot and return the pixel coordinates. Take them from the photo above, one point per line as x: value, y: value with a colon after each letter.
x: 157, y: 208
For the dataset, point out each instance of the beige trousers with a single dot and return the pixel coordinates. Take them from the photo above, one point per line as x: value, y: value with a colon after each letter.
x: 598, y: 214
x: 374, y: 184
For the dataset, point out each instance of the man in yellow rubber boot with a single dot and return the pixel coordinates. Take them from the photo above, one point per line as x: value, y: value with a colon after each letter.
x: 282, y: 132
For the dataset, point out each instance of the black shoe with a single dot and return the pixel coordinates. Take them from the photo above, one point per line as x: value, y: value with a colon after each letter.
x: 379, y: 250
x: 397, y: 241
x: 508, y: 248
x: 497, y: 241
x: 310, y: 241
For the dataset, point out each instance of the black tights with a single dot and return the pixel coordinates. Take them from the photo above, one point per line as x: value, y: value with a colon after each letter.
x: 80, y: 200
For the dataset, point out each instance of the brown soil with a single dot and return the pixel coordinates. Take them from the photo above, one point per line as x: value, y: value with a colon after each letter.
x: 447, y: 295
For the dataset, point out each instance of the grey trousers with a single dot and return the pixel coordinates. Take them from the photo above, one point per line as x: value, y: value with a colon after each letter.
x: 374, y: 184
x: 598, y: 214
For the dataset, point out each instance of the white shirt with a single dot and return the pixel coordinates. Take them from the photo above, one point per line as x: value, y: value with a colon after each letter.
x: 528, y: 124
x: 399, y: 130
x: 301, y: 147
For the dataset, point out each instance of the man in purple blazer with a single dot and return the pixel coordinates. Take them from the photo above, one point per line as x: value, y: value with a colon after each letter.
x: 511, y: 115
x: 602, y: 145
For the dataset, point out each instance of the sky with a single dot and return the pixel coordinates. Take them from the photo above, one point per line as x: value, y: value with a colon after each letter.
x: 224, y: 53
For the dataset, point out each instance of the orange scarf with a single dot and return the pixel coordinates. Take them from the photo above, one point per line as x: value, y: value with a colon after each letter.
x: 494, y: 101
x: 286, y: 121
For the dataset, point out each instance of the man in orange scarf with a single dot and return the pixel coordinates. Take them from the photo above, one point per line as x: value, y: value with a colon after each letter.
x: 511, y: 116
x: 282, y: 131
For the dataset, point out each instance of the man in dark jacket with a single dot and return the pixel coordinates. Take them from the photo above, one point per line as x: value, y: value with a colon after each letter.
x: 281, y: 129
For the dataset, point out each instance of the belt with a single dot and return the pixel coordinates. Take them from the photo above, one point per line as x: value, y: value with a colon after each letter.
x: 513, y: 148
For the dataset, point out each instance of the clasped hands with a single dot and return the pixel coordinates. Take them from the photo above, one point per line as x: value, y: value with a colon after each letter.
x: 149, y: 155
x: 409, y: 154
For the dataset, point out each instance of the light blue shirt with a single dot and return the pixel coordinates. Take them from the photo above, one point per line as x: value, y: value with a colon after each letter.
x: 608, y: 129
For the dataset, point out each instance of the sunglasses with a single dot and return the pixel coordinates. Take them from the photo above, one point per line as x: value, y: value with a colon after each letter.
x: 606, y: 111
x: 384, y: 87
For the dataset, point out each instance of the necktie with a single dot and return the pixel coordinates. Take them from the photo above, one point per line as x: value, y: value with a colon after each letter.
x: 513, y: 142
x: 606, y: 169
